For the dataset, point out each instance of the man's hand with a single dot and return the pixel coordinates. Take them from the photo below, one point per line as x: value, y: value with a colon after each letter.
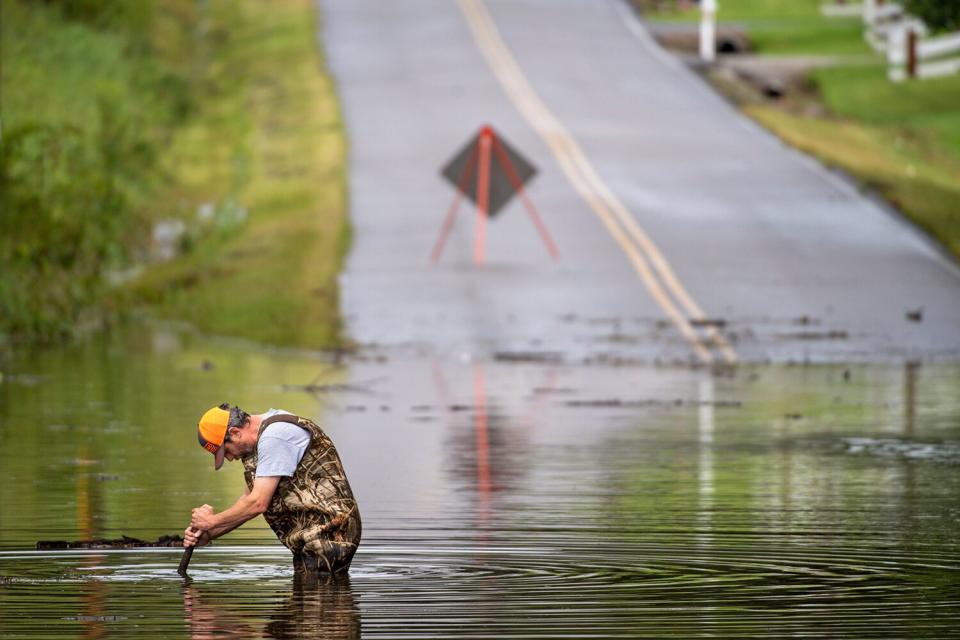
x: 202, y: 518
x: 195, y: 537
x: 251, y: 504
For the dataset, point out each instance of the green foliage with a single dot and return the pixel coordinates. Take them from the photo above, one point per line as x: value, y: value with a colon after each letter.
x: 76, y: 158
x: 940, y: 15
x: 65, y: 212
x: 205, y: 117
x: 265, y: 175
x: 84, y: 120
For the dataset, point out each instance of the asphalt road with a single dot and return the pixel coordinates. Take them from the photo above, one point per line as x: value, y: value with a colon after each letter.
x: 686, y: 233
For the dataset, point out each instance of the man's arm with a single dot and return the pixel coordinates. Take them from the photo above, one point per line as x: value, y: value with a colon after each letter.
x: 196, y: 537
x: 248, y: 506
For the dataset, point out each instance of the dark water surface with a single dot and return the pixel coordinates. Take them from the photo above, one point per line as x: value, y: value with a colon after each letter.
x: 499, y: 499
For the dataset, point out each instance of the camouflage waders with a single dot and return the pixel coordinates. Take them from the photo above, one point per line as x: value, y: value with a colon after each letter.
x: 313, y: 512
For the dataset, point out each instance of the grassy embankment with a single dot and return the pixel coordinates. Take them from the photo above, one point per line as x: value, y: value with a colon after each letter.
x: 276, y: 141
x: 901, y: 140
x: 216, y: 117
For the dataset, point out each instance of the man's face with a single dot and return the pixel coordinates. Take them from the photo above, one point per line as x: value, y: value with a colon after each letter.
x: 236, y: 447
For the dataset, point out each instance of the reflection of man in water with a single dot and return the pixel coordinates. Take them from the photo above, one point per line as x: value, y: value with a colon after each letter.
x: 317, y: 609
x: 294, y: 478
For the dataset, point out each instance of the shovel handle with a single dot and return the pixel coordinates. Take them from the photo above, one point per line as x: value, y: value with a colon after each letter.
x: 185, y: 561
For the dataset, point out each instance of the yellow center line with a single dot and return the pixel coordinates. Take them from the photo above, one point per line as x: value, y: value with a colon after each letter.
x: 647, y: 260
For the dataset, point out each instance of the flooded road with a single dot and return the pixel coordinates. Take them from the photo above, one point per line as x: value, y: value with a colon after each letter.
x: 686, y: 233
x: 500, y: 499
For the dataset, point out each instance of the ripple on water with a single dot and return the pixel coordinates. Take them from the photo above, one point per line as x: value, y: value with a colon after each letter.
x: 684, y: 581
x: 505, y: 517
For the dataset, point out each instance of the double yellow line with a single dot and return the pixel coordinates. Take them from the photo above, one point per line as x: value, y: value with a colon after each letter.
x: 649, y: 263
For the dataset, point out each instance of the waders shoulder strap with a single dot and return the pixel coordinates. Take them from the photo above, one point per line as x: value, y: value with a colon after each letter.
x: 280, y: 417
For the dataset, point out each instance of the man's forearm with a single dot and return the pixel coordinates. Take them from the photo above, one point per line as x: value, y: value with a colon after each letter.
x: 223, y: 530
x: 244, y: 509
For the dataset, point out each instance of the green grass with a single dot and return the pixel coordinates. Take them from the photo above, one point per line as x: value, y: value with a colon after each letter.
x: 782, y: 27
x: 922, y: 181
x: 809, y: 36
x: 902, y: 140
x: 275, y: 146
x: 39, y: 81
x: 84, y: 116
x: 927, y: 108
x: 734, y: 10
x: 170, y: 108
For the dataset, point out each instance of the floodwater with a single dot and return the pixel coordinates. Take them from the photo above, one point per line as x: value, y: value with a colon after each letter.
x: 499, y: 499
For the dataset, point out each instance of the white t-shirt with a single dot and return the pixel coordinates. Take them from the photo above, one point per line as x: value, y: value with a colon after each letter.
x: 281, y: 447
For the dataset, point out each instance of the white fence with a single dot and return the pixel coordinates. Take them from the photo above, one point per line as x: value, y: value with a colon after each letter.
x: 902, y: 38
x: 911, y: 56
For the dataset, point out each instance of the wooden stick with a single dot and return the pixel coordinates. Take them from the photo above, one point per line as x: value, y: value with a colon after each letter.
x: 185, y: 561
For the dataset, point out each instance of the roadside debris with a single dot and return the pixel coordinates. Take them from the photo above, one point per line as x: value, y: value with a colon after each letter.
x: 719, y: 323
x: 528, y: 356
x: 815, y: 335
x: 360, y: 387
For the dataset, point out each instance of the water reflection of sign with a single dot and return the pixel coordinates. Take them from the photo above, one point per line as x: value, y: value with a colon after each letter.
x: 496, y: 438
x: 489, y: 172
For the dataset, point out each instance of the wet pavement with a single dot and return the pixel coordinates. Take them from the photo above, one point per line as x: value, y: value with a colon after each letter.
x: 793, y: 261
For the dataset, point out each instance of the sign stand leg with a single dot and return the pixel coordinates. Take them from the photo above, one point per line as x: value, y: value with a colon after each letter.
x: 534, y: 215
x: 452, y: 212
x: 483, y: 196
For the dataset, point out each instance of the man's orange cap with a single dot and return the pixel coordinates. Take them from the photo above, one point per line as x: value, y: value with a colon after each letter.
x: 212, y: 431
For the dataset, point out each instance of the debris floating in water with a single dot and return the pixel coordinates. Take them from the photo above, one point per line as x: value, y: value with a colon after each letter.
x: 123, y: 542
x: 653, y: 402
x: 948, y: 451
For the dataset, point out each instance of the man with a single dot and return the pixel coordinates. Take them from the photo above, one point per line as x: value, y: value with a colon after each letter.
x: 294, y: 478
